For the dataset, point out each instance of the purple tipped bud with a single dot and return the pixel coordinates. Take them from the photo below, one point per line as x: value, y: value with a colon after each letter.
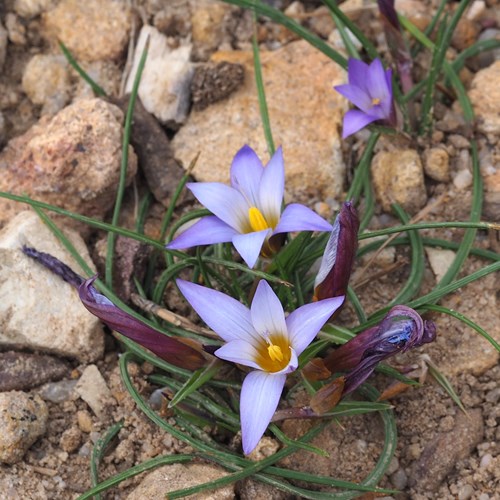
x: 338, y: 258
x: 54, y: 265
x: 174, y: 351
x: 386, y: 8
x: 400, y: 330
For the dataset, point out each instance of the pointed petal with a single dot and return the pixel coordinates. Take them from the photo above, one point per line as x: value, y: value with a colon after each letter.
x: 165, y: 347
x: 206, y: 231
x: 297, y: 217
x: 272, y: 188
x: 305, y: 322
x: 239, y: 351
x: 356, y: 95
x: 267, y: 312
x: 224, y: 315
x: 246, y: 172
x: 377, y: 82
x: 249, y: 245
x: 355, y: 120
x: 357, y: 71
x: 260, y: 395
x: 223, y: 201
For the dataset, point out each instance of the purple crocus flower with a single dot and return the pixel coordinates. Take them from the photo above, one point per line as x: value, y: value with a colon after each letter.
x: 401, y: 329
x: 262, y: 339
x: 248, y: 213
x: 338, y: 257
x: 369, y: 89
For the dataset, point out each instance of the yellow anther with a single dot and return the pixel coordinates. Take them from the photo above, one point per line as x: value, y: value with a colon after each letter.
x: 257, y: 220
x: 375, y: 101
x: 275, y: 352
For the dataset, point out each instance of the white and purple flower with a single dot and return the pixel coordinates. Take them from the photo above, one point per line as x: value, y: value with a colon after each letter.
x: 369, y: 89
x: 248, y: 212
x: 262, y: 339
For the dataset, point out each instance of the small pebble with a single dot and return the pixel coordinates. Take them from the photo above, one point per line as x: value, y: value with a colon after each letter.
x: 485, y: 460
x: 84, y: 421
x: 393, y: 466
x: 463, y: 180
x: 57, y: 392
x: 483, y: 496
x: 399, y: 479
x: 465, y: 492
x: 493, y: 396
x: 71, y: 439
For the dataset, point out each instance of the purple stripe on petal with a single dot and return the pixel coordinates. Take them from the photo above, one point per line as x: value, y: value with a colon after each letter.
x: 223, y: 201
x: 239, y: 351
x: 297, y: 217
x: 249, y: 245
x: 260, y: 395
x: 272, y: 188
x: 246, y: 173
x: 165, y: 347
x: 305, y: 322
x: 267, y: 312
x: 206, y: 231
x: 355, y: 120
x: 224, y: 315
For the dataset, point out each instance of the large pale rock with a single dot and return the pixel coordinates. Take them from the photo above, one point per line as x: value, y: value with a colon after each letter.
x: 305, y: 113
x: 174, y: 477
x: 46, y: 81
x: 398, y: 177
x: 165, y: 82
x: 485, y: 97
x: 72, y: 160
x: 92, y: 30
x: 23, y: 419
x: 38, y: 310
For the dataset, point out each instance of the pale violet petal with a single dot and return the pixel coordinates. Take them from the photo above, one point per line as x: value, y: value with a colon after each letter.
x: 267, y: 312
x: 239, y: 351
x: 297, y: 217
x: 206, y: 231
x: 272, y: 188
x: 249, y: 245
x: 305, y: 322
x: 292, y: 364
x: 223, y: 201
x: 377, y: 81
x: 224, y: 315
x: 246, y: 173
x: 260, y: 395
x: 357, y: 72
x: 355, y: 120
x: 329, y: 255
x: 356, y: 95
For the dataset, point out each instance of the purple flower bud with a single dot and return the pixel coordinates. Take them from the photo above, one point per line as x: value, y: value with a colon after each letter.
x: 175, y: 351
x: 400, y: 330
x: 338, y: 258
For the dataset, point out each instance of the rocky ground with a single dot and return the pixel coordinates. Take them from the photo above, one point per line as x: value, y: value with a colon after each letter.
x: 59, y: 379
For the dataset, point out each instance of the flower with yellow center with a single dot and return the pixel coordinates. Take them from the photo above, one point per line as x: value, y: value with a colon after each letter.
x: 260, y: 338
x: 248, y: 212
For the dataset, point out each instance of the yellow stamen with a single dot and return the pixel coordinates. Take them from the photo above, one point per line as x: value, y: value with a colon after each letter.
x: 257, y: 220
x: 275, y: 352
x: 375, y: 101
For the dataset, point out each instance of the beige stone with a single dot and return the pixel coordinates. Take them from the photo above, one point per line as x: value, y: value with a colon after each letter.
x: 178, y: 476
x: 491, y: 206
x: 71, y: 160
x: 38, y: 310
x: 92, y: 30
x: 485, y: 97
x: 437, y: 164
x: 31, y: 8
x: 440, y: 260
x: 46, y: 81
x: 305, y: 114
x: 398, y: 177
x: 92, y: 388
x: 23, y: 419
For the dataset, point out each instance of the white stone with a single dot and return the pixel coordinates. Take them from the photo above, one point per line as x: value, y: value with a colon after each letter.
x: 462, y: 180
x: 440, y: 260
x: 92, y: 388
x: 31, y: 8
x: 165, y: 84
x: 38, y: 310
